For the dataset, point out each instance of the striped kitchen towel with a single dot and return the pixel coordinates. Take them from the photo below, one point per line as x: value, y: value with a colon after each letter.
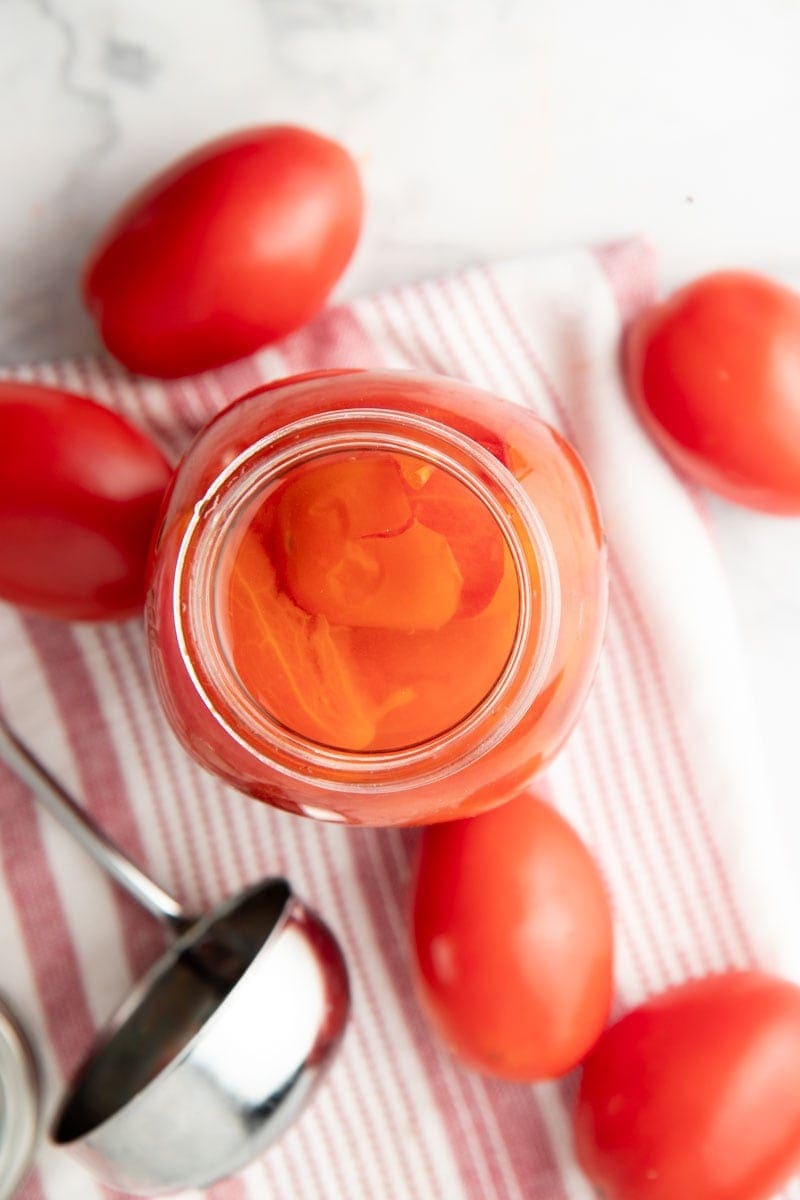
x: 662, y: 776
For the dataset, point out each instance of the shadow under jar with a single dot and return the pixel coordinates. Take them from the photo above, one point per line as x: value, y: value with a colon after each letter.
x: 377, y: 597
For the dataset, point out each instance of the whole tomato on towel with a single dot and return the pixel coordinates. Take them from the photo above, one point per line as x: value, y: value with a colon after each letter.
x: 512, y: 940
x: 714, y: 372
x: 694, y: 1094
x: 80, y: 490
x: 231, y: 247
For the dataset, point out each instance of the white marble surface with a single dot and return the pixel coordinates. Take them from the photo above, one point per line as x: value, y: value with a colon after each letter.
x: 483, y: 127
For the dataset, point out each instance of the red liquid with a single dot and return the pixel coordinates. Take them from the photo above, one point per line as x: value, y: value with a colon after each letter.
x: 371, y: 601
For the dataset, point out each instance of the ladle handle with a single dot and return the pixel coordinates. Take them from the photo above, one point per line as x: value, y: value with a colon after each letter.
x: 71, y: 816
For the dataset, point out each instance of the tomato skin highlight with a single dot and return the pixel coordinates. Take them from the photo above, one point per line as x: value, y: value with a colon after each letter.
x: 512, y: 940
x: 231, y: 247
x: 80, y: 492
x: 694, y: 1094
x: 714, y: 373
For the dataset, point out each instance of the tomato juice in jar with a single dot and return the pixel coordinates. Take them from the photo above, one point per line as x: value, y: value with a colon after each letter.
x: 377, y: 597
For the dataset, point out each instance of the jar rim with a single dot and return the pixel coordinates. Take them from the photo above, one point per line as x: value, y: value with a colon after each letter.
x: 254, y: 469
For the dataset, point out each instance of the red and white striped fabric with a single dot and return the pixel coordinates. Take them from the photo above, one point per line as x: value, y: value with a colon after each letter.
x: 662, y: 776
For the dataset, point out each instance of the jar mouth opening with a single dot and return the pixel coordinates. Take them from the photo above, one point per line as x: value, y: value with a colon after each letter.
x: 258, y: 468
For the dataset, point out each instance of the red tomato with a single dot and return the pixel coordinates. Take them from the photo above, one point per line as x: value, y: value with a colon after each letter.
x: 472, y: 534
x: 512, y: 940
x: 695, y: 1094
x: 80, y: 491
x: 231, y: 247
x: 715, y: 375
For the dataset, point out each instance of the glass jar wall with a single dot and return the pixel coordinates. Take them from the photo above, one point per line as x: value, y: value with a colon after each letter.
x: 377, y: 598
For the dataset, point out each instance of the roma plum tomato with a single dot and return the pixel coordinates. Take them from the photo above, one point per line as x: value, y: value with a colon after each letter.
x: 80, y: 491
x: 694, y: 1094
x: 714, y: 372
x: 472, y: 534
x: 357, y: 555
x: 231, y: 247
x: 300, y: 663
x: 512, y: 940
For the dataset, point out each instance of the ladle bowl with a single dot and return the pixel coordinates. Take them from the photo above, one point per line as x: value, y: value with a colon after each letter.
x: 217, y: 1050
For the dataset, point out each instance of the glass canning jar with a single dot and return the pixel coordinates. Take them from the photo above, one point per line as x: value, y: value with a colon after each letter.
x: 377, y: 597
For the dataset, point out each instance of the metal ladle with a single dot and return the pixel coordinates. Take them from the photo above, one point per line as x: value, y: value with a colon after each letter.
x: 219, y: 1046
